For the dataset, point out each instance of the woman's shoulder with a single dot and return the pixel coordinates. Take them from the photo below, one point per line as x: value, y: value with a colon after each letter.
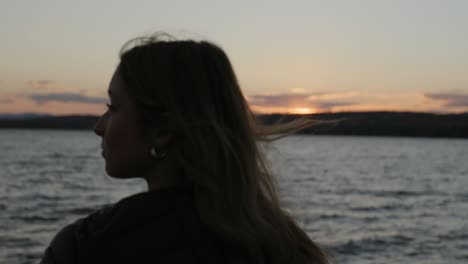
x: 64, y: 245
x: 163, y: 219
x: 150, y: 225
x: 133, y: 212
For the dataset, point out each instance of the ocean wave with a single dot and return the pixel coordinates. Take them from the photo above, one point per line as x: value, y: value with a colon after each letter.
x: 82, y: 211
x: 380, y: 208
x: 15, y: 242
x: 36, y: 219
x: 390, y: 193
x: 371, y: 245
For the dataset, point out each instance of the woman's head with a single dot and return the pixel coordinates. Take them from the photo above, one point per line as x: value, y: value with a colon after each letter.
x: 184, y: 91
x: 188, y: 90
x: 186, y: 102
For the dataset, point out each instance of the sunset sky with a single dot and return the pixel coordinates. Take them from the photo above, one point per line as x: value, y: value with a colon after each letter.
x: 307, y: 56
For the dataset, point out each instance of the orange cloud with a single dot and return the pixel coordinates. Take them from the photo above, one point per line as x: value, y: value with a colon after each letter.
x: 24, y: 105
x: 357, y: 101
x: 298, y: 102
x: 52, y: 103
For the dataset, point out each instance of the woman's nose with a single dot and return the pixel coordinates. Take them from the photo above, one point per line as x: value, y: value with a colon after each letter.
x: 99, y: 126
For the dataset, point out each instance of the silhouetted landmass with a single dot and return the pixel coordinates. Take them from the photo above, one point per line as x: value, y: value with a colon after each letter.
x: 405, y: 124
x: 51, y: 122
x: 353, y: 123
x: 22, y: 116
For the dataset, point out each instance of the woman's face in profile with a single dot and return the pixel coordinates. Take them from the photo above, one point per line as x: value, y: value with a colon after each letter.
x: 123, y: 147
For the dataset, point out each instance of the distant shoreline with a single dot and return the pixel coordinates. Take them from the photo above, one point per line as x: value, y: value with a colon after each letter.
x: 406, y: 124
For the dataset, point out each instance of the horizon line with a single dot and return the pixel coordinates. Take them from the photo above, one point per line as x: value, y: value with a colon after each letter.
x: 255, y: 113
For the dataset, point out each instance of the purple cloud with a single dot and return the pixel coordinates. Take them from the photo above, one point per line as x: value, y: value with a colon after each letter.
x: 450, y: 99
x: 331, y: 104
x: 278, y: 100
x: 66, y: 98
x: 312, y: 100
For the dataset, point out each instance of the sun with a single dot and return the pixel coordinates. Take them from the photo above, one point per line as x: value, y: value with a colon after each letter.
x: 302, y: 110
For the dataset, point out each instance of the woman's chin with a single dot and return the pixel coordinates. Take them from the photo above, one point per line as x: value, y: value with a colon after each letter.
x: 118, y: 173
x: 112, y: 172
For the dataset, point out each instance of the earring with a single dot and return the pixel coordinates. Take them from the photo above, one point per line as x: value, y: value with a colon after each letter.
x: 157, y: 155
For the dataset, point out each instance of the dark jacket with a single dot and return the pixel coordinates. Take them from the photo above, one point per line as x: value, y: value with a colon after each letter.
x: 152, y: 227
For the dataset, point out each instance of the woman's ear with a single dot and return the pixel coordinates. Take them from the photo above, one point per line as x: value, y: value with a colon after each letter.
x: 158, y: 137
x: 163, y: 141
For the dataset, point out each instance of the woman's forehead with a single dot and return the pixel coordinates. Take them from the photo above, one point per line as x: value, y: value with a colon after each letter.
x: 115, y: 86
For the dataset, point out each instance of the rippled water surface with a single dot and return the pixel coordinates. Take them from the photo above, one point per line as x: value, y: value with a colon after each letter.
x: 368, y: 200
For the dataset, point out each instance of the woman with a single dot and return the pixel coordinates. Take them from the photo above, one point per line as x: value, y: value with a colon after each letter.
x: 178, y: 119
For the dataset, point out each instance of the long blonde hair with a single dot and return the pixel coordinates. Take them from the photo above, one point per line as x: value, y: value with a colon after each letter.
x: 188, y: 88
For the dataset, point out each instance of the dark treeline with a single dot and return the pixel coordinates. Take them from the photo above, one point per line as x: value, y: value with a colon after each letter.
x: 384, y: 124
x: 357, y: 123
x: 51, y: 122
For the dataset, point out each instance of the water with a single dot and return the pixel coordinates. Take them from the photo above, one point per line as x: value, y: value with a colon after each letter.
x: 366, y: 199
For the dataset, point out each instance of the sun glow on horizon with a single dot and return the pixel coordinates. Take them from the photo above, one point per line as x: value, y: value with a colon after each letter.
x: 284, y: 110
x: 302, y: 110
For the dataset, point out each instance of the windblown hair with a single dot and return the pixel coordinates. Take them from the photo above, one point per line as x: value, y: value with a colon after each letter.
x: 189, y: 89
